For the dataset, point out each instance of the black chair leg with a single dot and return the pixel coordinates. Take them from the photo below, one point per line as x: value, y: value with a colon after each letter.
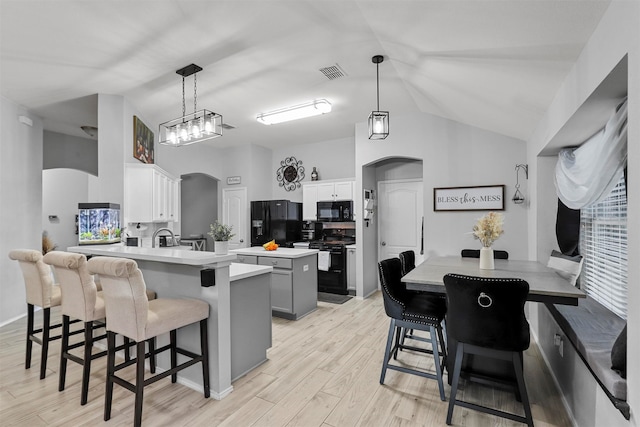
x: 204, y: 349
x: 30, y: 312
x: 456, y: 379
x: 137, y: 417
x: 111, y: 365
x: 46, y: 322
x: 86, y: 363
x: 127, y: 352
x: 64, y: 348
x: 387, y: 351
x: 517, y: 365
x: 152, y: 353
x: 174, y: 354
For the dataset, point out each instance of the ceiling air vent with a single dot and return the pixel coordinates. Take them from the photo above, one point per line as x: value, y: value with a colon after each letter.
x: 333, y: 72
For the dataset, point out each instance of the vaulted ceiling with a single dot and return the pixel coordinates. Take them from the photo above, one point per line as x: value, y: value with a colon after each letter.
x: 495, y: 65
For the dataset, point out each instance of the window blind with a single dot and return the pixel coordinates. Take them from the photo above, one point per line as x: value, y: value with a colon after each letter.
x: 603, y: 244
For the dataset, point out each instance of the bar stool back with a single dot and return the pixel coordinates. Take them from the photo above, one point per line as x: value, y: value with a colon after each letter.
x: 130, y: 313
x: 40, y: 292
x: 81, y: 301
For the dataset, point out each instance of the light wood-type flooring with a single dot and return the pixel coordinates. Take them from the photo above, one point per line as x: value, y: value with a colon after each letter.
x: 323, y: 370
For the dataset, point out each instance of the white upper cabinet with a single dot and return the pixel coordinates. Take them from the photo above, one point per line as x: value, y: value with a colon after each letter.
x: 151, y: 194
x: 338, y: 190
x: 309, y: 200
x: 322, y: 191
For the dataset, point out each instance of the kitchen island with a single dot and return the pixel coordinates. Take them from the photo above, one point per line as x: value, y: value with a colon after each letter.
x: 239, y: 316
x: 294, y: 280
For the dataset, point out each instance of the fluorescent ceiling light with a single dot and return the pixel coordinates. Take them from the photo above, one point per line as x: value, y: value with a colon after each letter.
x: 313, y: 108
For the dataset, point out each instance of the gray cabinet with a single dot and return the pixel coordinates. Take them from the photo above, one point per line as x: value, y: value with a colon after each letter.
x: 294, y: 285
x: 282, y: 290
x: 247, y: 259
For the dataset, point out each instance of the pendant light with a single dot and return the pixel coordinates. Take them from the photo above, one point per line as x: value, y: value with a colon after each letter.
x: 194, y: 127
x: 378, y: 120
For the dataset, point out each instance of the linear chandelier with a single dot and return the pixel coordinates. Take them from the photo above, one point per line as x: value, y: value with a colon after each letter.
x: 309, y: 109
x: 194, y: 127
x: 378, y: 120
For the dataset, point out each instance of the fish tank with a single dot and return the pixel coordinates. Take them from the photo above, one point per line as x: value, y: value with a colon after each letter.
x: 98, y: 223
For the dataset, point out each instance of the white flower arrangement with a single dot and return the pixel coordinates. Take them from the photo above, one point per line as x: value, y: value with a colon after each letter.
x: 488, y: 228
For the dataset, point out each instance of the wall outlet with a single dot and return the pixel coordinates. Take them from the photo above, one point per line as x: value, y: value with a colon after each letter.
x: 557, y: 339
x: 559, y: 342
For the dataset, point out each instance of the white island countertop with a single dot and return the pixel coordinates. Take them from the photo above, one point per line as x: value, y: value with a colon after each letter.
x: 172, y: 256
x: 238, y: 271
x: 278, y: 253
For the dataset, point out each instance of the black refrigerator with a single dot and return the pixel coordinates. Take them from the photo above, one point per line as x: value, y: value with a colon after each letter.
x: 279, y: 220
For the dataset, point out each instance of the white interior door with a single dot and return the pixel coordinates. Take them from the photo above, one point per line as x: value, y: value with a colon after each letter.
x: 234, y: 213
x: 400, y: 215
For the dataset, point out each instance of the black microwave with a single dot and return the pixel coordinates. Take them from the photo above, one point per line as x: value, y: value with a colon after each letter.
x: 335, y: 211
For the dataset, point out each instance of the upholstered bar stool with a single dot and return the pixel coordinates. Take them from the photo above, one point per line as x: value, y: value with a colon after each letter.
x: 130, y: 313
x: 43, y: 293
x: 81, y: 300
x: 486, y: 318
x: 411, y: 311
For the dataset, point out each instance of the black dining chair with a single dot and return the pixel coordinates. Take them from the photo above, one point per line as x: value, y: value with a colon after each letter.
x: 475, y: 253
x: 411, y: 311
x: 485, y: 316
x: 407, y: 261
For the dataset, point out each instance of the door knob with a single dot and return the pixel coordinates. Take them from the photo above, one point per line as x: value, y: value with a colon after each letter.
x: 241, y: 240
x: 383, y: 244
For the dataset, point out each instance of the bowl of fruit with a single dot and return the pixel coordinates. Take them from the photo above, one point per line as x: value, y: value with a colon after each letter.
x: 270, y: 246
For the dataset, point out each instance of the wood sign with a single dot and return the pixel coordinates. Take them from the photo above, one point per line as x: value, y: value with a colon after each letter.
x: 478, y: 198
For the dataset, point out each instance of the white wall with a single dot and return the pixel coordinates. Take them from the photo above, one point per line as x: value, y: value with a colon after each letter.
x: 617, y: 35
x: 20, y: 201
x: 453, y: 155
x: 62, y: 190
x: 333, y: 160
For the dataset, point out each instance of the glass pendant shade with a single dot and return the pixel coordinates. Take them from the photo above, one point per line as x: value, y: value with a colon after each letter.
x: 378, y: 124
x: 196, y: 127
x: 378, y: 120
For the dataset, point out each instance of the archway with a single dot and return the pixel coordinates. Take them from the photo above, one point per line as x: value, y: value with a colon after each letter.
x: 198, y: 205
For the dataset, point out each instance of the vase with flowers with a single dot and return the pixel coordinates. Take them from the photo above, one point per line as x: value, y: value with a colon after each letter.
x: 221, y: 234
x: 487, y: 230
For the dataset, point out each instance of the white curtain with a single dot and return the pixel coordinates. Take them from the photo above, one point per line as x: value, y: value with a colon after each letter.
x: 587, y: 174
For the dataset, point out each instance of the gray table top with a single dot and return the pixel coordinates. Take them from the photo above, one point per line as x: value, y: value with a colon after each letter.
x: 545, y: 285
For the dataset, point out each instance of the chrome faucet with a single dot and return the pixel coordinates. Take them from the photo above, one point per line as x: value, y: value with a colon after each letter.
x: 155, y: 234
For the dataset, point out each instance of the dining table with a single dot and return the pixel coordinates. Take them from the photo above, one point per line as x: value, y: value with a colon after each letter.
x: 545, y: 286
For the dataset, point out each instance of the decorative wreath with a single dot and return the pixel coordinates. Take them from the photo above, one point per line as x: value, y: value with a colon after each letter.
x: 290, y: 173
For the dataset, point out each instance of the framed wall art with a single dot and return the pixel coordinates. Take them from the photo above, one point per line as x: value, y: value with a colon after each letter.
x: 477, y: 198
x: 142, y: 141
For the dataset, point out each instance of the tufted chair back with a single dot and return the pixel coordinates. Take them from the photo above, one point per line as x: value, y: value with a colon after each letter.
x: 393, y: 290
x: 125, y: 295
x: 408, y: 261
x: 487, y: 312
x: 38, y: 280
x: 79, y: 291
